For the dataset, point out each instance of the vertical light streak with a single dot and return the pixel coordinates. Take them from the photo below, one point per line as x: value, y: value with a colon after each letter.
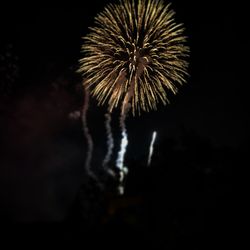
x: 110, y: 141
x: 87, y: 135
x: 151, y: 147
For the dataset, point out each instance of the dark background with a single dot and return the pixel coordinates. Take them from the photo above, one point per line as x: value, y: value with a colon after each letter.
x: 187, y: 198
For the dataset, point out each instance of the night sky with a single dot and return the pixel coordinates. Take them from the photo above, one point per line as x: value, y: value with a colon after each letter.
x: 185, y: 199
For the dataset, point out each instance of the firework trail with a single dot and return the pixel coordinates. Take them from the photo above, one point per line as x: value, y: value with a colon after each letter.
x: 124, y: 143
x: 110, y: 141
x: 87, y: 134
x: 123, y: 146
x: 151, y: 148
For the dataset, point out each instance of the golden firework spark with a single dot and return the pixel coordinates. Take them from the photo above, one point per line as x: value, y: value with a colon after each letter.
x: 134, y: 54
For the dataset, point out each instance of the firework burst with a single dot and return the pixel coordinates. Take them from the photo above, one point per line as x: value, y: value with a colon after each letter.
x: 135, y: 53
